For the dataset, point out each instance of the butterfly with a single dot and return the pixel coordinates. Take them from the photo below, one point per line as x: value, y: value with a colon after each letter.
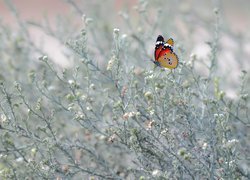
x: 164, y: 54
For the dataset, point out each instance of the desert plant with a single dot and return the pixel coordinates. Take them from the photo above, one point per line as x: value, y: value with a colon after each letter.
x: 112, y: 114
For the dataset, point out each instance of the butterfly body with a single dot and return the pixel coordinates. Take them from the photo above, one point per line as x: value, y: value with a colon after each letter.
x: 164, y: 54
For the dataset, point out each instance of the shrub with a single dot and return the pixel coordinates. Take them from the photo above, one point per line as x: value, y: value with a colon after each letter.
x: 123, y: 119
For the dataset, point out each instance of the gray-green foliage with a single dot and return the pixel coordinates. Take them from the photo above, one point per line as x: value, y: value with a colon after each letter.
x: 123, y: 119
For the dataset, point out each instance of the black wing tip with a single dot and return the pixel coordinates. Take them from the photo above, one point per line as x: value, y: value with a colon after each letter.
x: 160, y: 38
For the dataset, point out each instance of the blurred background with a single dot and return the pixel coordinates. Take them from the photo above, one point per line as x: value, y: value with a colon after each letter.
x: 235, y: 13
x: 190, y: 22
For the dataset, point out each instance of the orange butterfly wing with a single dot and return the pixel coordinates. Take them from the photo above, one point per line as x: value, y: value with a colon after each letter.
x: 170, y: 42
x: 168, y: 59
x: 164, y: 55
x: 158, y: 46
x: 158, y: 50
